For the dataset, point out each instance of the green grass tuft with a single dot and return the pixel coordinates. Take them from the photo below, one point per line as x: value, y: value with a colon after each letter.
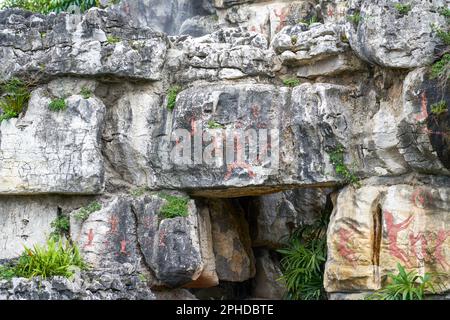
x: 214, y: 125
x: 439, y: 108
x: 84, y: 213
x: 85, y: 93
x: 175, y: 206
x: 291, y: 82
x: 441, y: 67
x: 405, y: 286
x: 61, y: 227
x: 403, y: 8
x: 58, y: 105
x: 54, y: 259
x: 15, y: 94
x: 341, y: 169
x: 113, y: 39
x: 172, y: 97
x: 354, y: 18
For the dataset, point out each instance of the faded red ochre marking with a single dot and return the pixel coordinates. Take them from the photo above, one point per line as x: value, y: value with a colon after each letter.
x: 90, y: 238
x: 344, y: 250
x: 393, y: 230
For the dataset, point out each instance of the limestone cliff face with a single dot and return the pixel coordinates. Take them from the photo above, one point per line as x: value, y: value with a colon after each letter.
x: 365, y: 88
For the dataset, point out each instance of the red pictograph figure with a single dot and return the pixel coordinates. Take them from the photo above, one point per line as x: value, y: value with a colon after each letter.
x: 414, y: 240
x: 114, y: 223
x: 421, y: 198
x: 282, y: 15
x: 438, y: 254
x: 90, y: 238
x: 344, y: 250
x: 239, y: 164
x: 393, y: 230
x: 162, y: 238
x: 123, y: 247
x: 330, y: 13
x: 423, y: 111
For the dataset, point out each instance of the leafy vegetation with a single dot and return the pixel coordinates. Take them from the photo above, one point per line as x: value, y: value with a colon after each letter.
x: 7, y: 272
x: 291, y: 82
x: 403, y: 8
x: 443, y: 35
x: 444, y: 11
x: 61, y: 227
x: 341, y: 169
x: 112, y: 39
x: 405, y: 286
x: 354, y: 18
x: 439, y: 108
x: 303, y: 262
x: 54, y: 259
x: 84, y: 213
x: 310, y: 21
x: 214, y: 125
x: 294, y: 40
x: 86, y: 93
x: 172, y: 97
x: 175, y: 206
x: 15, y: 95
x: 441, y: 67
x: 47, y: 6
x: 58, y: 105
x: 138, y: 192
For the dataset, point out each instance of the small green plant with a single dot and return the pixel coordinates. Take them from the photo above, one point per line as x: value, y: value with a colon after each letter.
x: 291, y: 82
x: 303, y: 261
x: 61, y: 227
x: 341, y: 169
x: 403, y: 8
x: 444, y: 11
x: 43, y: 34
x: 310, y: 21
x: 354, y: 18
x: 15, y: 94
x: 443, y: 35
x: 112, y: 39
x: 138, y: 192
x: 47, y: 6
x: 439, y: 108
x: 56, y: 258
x: 294, y: 40
x: 405, y: 286
x: 7, y: 272
x: 172, y: 97
x: 214, y: 125
x: 86, y: 93
x: 57, y: 105
x: 84, y: 213
x: 175, y: 206
x: 441, y: 67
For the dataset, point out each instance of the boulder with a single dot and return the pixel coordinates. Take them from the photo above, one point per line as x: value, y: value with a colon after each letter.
x: 387, y: 37
x: 100, y: 42
x: 235, y: 261
x: 267, y: 284
x: 44, y: 151
x: 129, y: 230
x: 388, y: 221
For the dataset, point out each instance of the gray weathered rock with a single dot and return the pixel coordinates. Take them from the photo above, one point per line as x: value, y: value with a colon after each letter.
x: 385, y: 222
x: 130, y: 230
x: 390, y: 39
x: 266, y: 284
x: 104, y: 284
x: 277, y: 215
x: 53, y: 152
x: 99, y: 43
x: 231, y: 241
x: 26, y: 220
